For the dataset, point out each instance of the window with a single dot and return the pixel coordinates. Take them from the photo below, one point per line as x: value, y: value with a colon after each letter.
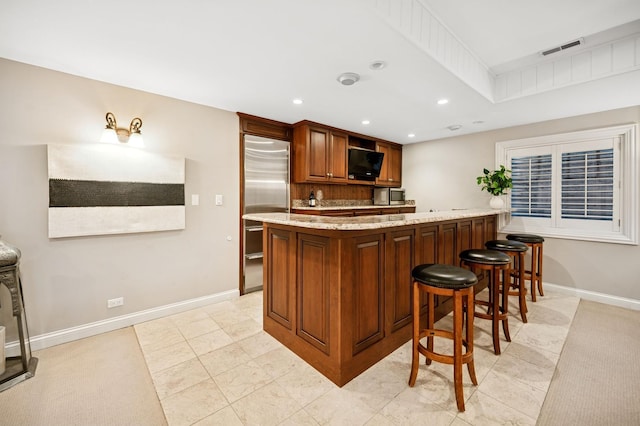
x: 579, y: 185
x: 531, y: 194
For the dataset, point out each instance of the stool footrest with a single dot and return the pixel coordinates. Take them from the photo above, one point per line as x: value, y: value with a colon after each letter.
x: 444, y: 358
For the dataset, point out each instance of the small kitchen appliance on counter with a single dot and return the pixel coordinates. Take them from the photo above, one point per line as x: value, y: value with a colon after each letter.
x: 388, y: 196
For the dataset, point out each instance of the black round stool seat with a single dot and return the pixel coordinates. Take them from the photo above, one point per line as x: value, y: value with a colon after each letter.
x: 457, y: 284
x: 485, y: 257
x: 516, y: 250
x: 534, y: 272
x: 444, y: 276
x: 495, y: 263
x: 506, y: 245
x: 525, y: 238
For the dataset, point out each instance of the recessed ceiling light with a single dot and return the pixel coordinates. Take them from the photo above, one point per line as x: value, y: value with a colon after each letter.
x: 411, y: 135
x: 377, y: 65
x: 297, y: 101
x: 348, y: 78
x: 443, y: 101
x: 365, y: 122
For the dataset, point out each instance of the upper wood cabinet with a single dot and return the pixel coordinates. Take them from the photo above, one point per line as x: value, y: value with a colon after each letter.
x: 391, y: 172
x: 319, y: 154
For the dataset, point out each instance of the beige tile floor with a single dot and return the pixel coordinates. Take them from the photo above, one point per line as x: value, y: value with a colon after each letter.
x: 215, y: 366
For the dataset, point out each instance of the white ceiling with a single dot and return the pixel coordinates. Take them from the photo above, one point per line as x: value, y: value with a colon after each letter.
x: 256, y: 56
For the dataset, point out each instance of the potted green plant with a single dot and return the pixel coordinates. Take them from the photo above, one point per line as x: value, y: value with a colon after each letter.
x: 496, y: 183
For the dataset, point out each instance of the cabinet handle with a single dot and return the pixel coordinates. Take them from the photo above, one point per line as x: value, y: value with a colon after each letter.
x: 390, y: 179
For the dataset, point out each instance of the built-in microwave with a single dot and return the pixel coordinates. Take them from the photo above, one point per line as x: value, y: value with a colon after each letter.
x: 388, y: 196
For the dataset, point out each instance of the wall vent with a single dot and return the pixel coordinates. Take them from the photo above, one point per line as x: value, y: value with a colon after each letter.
x: 565, y: 46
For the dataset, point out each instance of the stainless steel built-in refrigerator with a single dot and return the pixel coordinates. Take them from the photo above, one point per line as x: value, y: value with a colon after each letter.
x: 266, y: 190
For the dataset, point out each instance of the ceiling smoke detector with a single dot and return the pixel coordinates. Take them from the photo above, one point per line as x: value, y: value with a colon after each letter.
x: 377, y: 65
x: 348, y: 78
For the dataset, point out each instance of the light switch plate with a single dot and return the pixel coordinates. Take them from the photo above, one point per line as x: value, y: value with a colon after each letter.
x: 218, y: 200
x: 195, y: 199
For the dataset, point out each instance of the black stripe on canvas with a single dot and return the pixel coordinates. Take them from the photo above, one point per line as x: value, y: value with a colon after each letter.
x: 88, y: 193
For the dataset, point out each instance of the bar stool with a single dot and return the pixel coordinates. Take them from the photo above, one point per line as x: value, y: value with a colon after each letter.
x: 515, y: 250
x: 535, y: 273
x: 444, y: 280
x: 497, y: 307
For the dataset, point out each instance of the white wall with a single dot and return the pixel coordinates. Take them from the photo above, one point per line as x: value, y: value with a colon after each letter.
x: 67, y: 281
x: 441, y: 175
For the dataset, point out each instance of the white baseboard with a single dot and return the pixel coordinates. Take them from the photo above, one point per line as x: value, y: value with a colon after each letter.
x: 46, y: 340
x: 593, y: 296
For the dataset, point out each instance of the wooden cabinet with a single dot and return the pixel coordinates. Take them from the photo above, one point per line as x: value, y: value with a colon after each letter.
x: 341, y: 299
x: 319, y: 154
x: 391, y: 172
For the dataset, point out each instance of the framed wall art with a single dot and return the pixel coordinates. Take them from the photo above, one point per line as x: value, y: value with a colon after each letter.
x: 109, y: 189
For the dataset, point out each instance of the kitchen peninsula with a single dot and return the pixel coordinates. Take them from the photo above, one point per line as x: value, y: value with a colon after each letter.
x: 337, y: 289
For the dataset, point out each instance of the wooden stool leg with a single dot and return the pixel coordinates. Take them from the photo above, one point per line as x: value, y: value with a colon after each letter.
x: 539, y: 270
x: 534, y: 264
x: 430, y: 321
x: 522, y: 301
x: 505, y: 306
x: 494, y: 301
x: 469, y: 335
x: 457, y: 349
x: 415, y: 355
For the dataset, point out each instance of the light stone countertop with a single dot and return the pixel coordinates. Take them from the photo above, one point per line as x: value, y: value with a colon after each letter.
x: 367, y: 222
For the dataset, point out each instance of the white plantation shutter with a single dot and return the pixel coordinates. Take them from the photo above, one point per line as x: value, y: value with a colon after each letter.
x: 531, y: 193
x: 587, y: 185
x: 582, y: 185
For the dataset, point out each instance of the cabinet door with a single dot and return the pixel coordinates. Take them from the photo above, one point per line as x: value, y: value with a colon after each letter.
x: 478, y: 238
x: 318, y: 154
x: 448, y: 249
x: 447, y: 253
x: 313, y: 290
x: 399, y: 263
x: 338, y: 158
x: 464, y: 236
x: 427, y: 252
x: 395, y: 166
x: 490, y: 228
x: 368, y: 291
x: 384, y: 170
x: 391, y: 171
x: 280, y: 286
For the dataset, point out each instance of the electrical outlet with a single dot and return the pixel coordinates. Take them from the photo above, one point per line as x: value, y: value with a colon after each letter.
x: 112, y: 303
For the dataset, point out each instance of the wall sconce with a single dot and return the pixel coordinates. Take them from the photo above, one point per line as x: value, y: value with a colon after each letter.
x: 114, y: 134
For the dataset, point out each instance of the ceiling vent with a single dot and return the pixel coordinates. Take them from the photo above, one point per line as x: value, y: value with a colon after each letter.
x: 565, y: 46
